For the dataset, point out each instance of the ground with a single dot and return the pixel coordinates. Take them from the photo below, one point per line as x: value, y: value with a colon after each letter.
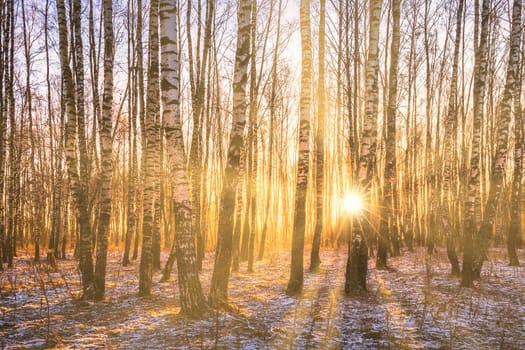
x: 415, y: 304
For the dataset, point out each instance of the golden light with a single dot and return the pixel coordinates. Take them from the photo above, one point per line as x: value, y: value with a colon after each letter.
x: 352, y: 203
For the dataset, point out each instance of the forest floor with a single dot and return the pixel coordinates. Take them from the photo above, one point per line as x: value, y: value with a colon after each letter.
x: 415, y: 304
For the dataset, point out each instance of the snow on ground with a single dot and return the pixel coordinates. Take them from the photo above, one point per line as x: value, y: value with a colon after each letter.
x: 415, y: 304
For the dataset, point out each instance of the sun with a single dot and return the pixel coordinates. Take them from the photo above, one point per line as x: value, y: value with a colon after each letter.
x: 352, y: 203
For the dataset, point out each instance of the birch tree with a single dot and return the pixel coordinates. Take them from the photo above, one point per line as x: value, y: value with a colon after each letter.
x: 12, y: 213
x: 514, y: 232
x: 221, y: 269
x: 473, y: 205
x: 150, y: 153
x: 498, y: 164
x: 315, y: 260
x: 79, y: 194
x: 192, y: 299
x: 106, y: 169
x: 356, y: 267
x: 389, y: 199
x: 448, y: 142
x: 198, y: 67
x: 295, y: 284
x: 3, y: 129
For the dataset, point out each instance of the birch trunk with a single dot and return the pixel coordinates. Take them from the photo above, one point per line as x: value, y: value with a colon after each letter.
x: 482, y: 239
x: 473, y: 205
x: 315, y: 260
x: 79, y: 195
x: 448, y: 143
x: 252, y: 141
x: 105, y: 154
x: 192, y: 299
x: 295, y: 284
x: 3, y: 130
x: 514, y: 233
x: 356, y: 268
x: 150, y: 153
x: 223, y: 257
x: 389, y: 200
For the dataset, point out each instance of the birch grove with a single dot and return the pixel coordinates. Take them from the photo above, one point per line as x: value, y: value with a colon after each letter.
x: 200, y: 144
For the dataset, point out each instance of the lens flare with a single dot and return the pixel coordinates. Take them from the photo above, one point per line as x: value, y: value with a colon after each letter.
x: 352, y: 203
